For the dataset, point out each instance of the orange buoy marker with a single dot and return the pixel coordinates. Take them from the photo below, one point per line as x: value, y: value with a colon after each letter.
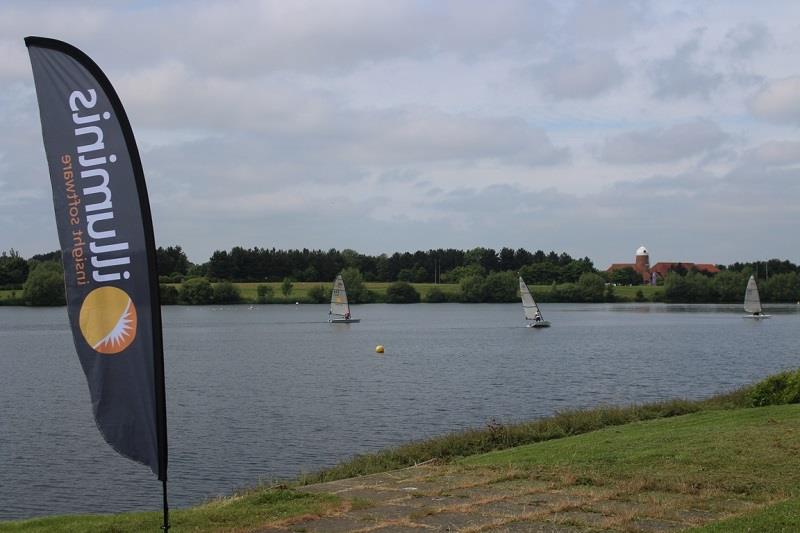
x: 379, y: 348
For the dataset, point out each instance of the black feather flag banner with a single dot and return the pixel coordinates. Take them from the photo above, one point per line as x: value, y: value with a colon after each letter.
x: 107, y: 244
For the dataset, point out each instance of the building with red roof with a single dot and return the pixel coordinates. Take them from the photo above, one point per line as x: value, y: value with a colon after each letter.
x: 650, y: 275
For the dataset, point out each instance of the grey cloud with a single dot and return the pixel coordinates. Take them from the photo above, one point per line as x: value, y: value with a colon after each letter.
x: 682, y: 75
x: 314, y: 125
x: 599, y: 21
x: 746, y: 39
x: 777, y: 153
x: 778, y: 101
x: 659, y: 145
x: 578, y: 75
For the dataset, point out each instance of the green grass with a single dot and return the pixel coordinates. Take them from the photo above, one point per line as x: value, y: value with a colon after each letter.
x: 11, y: 297
x: 744, y: 452
x: 236, y: 513
x: 628, y: 293
x: 782, y: 517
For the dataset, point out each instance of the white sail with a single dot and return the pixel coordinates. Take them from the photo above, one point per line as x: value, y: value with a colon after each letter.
x: 528, y: 303
x: 752, y: 302
x: 339, y: 305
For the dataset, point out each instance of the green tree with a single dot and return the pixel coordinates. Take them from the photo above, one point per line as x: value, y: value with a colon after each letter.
x: 500, y: 287
x: 782, y: 288
x: 13, y: 269
x: 542, y: 273
x: 676, y: 289
x: 196, y: 291
x: 354, y: 284
x: 592, y: 287
x: 226, y: 292
x: 319, y: 294
x: 168, y: 294
x: 401, y: 292
x: 729, y: 285
x: 45, y: 285
x: 170, y: 260
x: 573, y: 270
x: 286, y: 286
x: 264, y: 293
x: 461, y: 272
x: 700, y: 288
x: 625, y: 276
x: 472, y: 288
x: 566, y: 292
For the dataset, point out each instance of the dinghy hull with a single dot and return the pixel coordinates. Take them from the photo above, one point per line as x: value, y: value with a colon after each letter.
x: 542, y: 324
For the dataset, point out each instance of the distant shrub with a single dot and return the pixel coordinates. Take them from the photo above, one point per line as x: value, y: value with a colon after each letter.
x: 226, y: 292
x: 318, y: 294
x: 779, y: 389
x: 196, y: 291
x: 500, y: 287
x: 435, y: 296
x: 354, y: 283
x: 168, y: 294
x: 401, y: 292
x: 610, y: 295
x: 264, y: 293
x: 591, y: 287
x: 640, y: 296
x: 472, y: 288
x: 286, y: 286
x: 45, y: 285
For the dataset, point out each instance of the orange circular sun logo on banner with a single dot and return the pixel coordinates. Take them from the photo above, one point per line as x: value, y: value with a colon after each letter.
x: 108, y: 320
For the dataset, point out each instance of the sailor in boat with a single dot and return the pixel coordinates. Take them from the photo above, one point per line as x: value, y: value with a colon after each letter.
x: 347, y: 315
x: 538, y: 317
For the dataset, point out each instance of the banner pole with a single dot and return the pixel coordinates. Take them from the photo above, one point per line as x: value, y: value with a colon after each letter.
x: 165, y: 526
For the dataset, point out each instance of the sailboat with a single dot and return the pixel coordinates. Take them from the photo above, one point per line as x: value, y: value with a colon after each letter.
x: 530, y: 308
x: 752, y: 302
x: 340, y: 309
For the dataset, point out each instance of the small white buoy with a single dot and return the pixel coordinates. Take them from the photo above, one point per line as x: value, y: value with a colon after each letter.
x: 297, y: 303
x: 379, y: 348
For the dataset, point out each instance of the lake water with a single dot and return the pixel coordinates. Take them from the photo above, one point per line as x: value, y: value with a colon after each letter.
x: 257, y: 395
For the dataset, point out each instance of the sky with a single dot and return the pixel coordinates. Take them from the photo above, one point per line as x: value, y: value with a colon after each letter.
x: 589, y: 127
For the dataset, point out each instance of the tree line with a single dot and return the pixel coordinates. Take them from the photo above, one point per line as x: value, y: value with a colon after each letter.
x: 729, y: 286
x: 423, y: 266
x: 482, y: 275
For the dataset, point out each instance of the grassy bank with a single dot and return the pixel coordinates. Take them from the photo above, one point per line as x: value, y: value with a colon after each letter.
x: 240, y: 512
